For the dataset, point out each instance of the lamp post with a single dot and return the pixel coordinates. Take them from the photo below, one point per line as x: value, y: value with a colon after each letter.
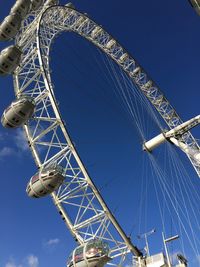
x: 165, y: 245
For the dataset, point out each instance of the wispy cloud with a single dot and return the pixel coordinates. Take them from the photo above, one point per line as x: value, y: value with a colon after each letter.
x: 6, y: 151
x: 13, y: 144
x: 1, y: 137
x: 32, y: 261
x: 11, y: 263
x: 20, y: 140
x: 198, y: 259
x: 52, y: 242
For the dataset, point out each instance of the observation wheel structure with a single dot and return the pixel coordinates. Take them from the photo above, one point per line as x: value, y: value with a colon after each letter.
x: 78, y: 200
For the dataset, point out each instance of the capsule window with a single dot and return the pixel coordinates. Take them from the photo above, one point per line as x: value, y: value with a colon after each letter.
x: 12, y: 24
x: 34, y: 179
x: 78, y: 254
x: 11, y: 59
x: 15, y: 120
x: 9, y: 125
x: 51, y: 186
x: 8, y: 30
x: 5, y: 65
x: 3, y: 35
x: 46, y: 178
x: 69, y: 260
x: 22, y: 113
x: 79, y: 251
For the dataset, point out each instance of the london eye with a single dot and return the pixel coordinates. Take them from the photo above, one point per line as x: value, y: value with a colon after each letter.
x: 60, y: 170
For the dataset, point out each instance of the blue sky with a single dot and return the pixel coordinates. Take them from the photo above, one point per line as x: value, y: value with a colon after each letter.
x: 164, y: 38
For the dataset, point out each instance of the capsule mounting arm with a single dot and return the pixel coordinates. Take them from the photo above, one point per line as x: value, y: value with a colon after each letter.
x: 175, y: 132
x: 174, y: 136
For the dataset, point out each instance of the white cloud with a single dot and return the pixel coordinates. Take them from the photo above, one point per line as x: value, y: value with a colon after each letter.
x: 11, y: 263
x: 1, y: 137
x: 20, y: 140
x: 54, y: 241
x: 20, y: 143
x: 6, y: 151
x: 198, y: 259
x: 32, y: 261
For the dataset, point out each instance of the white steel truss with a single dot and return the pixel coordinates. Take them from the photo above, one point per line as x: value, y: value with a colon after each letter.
x: 78, y: 200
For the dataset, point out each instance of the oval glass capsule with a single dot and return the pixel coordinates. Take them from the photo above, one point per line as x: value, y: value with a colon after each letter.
x: 45, y: 181
x: 92, y: 254
x: 22, y: 7
x: 18, y: 112
x: 10, y: 27
x: 9, y: 59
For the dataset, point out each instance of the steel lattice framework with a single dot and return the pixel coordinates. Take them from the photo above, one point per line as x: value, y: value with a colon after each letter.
x: 78, y: 200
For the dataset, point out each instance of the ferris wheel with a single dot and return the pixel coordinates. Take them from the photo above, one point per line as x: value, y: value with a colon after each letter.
x: 61, y: 170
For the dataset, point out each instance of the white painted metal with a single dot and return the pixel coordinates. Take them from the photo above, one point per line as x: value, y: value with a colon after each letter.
x: 154, y: 142
x: 175, y: 136
x: 157, y: 260
x: 193, y: 153
x: 184, y: 127
x: 196, y: 5
x: 78, y: 200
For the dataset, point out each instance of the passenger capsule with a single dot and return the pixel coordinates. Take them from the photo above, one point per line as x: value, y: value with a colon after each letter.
x: 94, y: 253
x: 21, y: 7
x: 9, y: 59
x: 35, y: 4
x: 45, y: 181
x: 10, y: 26
x: 18, y: 112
